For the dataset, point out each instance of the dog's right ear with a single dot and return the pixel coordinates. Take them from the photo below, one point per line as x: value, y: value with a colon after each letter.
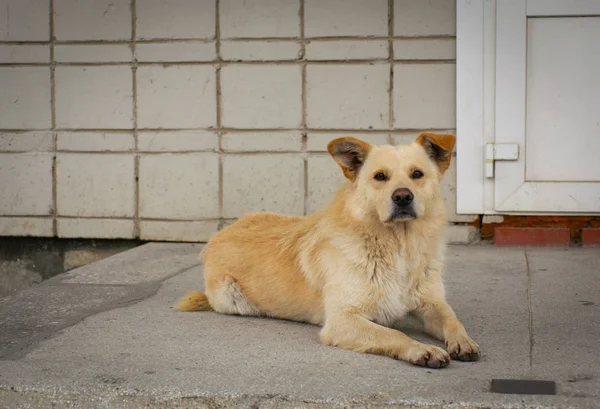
x: 350, y: 153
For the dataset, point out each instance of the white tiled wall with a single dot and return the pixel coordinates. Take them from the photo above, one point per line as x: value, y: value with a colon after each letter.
x: 176, y: 96
x: 359, y: 93
x: 166, y: 119
x: 261, y: 96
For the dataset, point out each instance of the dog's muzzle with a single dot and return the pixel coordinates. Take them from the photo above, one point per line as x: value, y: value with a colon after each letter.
x: 403, y: 205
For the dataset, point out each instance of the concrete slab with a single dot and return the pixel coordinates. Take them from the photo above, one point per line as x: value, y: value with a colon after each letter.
x: 36, y: 313
x: 148, y: 355
x: 565, y: 303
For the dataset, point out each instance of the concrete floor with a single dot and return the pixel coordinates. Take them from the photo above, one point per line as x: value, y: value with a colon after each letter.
x: 105, y: 335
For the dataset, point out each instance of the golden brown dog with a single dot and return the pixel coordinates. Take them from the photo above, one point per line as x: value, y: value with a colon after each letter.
x: 374, y: 254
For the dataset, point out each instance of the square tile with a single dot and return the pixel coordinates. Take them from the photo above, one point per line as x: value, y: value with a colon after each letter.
x: 26, y: 226
x: 95, y: 185
x: 181, y: 51
x: 95, y: 228
x: 95, y: 141
x: 176, y: 96
x: 329, y: 50
x: 79, y: 20
x: 179, y: 186
x: 261, y: 96
x: 93, y: 53
x: 26, y: 181
x: 24, y: 54
x: 324, y: 179
x: 164, y: 19
x: 333, y: 18
x: 261, y: 141
x: 25, y: 98
x: 424, y: 18
x: 259, y: 18
x: 260, y: 50
x: 348, y: 96
x: 258, y: 183
x: 94, y: 97
x: 177, y: 141
x: 36, y: 141
x: 425, y: 49
x: 25, y: 20
x: 424, y: 96
x: 317, y: 141
x: 172, y: 230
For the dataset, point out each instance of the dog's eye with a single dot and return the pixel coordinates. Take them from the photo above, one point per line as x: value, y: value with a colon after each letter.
x: 417, y: 174
x: 380, y: 177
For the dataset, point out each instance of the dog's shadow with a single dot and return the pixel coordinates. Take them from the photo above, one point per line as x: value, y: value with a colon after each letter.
x: 412, y: 327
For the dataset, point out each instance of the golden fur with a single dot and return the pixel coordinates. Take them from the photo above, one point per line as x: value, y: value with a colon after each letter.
x: 354, y: 267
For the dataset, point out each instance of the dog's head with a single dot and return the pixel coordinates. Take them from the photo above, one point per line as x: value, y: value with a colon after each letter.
x: 396, y: 183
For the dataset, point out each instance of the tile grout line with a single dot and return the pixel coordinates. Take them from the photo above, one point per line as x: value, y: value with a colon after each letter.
x: 53, y: 121
x: 391, y: 60
x: 219, y: 106
x: 225, y: 129
x: 124, y: 218
x: 529, y: 309
x: 365, y: 61
x: 151, y: 219
x: 301, y: 15
x: 171, y: 152
x: 136, y: 156
x: 305, y: 159
x: 234, y: 39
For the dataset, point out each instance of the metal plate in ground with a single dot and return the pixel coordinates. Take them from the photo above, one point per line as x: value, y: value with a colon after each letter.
x: 523, y: 387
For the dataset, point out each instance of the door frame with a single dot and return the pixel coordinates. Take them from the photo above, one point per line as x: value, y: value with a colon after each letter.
x: 476, y: 98
x: 475, y: 35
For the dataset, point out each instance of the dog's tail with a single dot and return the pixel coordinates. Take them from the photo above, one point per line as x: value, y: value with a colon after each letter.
x: 194, y: 301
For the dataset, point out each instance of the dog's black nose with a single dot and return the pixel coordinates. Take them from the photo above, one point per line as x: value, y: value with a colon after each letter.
x: 402, y: 196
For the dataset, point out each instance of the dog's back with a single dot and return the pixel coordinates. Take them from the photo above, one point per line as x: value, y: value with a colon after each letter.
x: 254, y: 262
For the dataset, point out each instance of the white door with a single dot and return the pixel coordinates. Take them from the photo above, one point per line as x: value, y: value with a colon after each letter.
x: 547, y: 101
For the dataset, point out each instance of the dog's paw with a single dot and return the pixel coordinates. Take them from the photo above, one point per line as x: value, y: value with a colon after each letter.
x: 427, y: 355
x: 463, y: 348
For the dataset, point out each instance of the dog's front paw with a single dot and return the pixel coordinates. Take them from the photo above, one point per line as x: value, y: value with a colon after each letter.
x: 427, y: 355
x: 463, y: 348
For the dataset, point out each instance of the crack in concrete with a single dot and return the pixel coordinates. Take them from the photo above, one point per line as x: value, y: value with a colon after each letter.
x: 529, y: 309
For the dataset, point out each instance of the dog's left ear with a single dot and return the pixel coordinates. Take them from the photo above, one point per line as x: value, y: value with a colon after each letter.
x: 438, y: 147
x: 350, y: 153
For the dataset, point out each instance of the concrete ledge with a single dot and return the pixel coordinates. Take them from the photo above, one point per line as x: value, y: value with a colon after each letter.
x: 462, y: 234
x: 34, y: 314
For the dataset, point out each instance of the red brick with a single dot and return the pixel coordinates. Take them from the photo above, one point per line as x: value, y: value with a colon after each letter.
x: 590, y: 237
x: 532, y: 237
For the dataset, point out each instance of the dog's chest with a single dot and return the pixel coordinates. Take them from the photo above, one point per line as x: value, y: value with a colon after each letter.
x: 397, y: 293
x: 389, y: 275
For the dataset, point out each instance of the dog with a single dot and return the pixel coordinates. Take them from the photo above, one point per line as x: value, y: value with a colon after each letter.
x: 373, y: 255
